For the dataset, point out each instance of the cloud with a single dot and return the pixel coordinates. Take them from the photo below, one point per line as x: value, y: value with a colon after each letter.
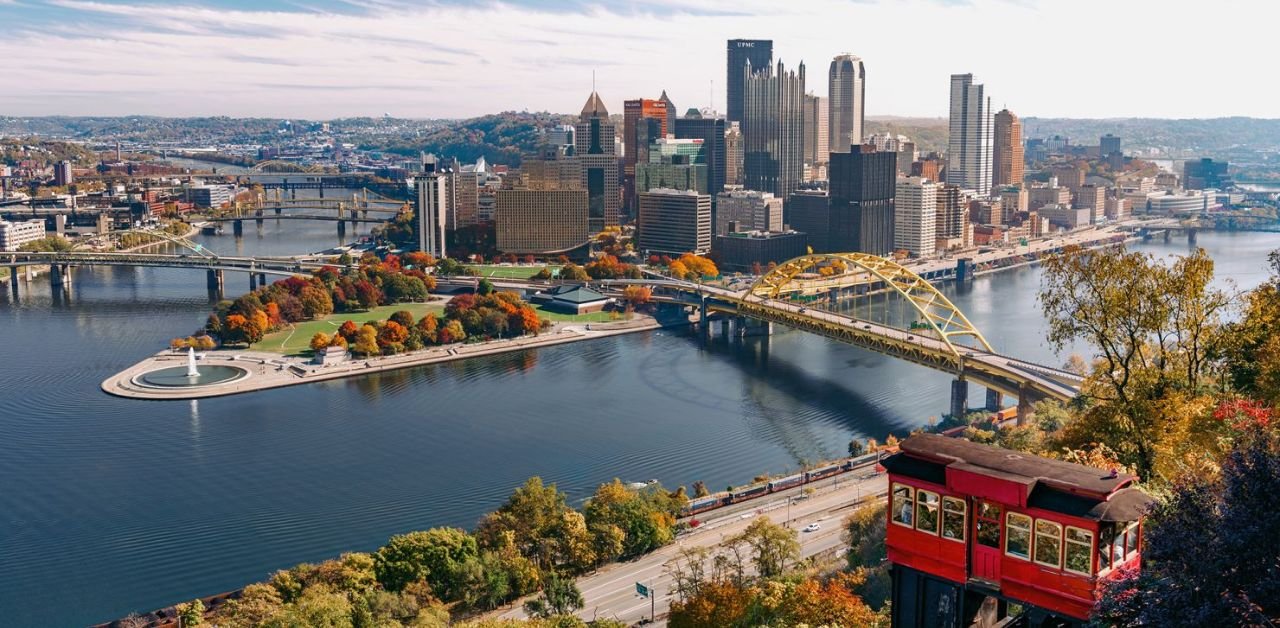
x: 453, y: 58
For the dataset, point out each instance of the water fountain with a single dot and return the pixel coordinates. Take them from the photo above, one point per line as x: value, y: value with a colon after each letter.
x: 191, y: 375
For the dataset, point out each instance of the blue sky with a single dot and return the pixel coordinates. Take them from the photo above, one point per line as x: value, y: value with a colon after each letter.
x: 329, y: 58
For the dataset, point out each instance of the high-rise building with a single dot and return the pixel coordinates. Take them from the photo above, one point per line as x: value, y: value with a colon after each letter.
x: 816, y: 148
x: 846, y: 102
x: 1094, y: 199
x: 675, y: 164
x: 644, y: 121
x: 13, y: 235
x: 758, y: 53
x: 1014, y: 200
x: 671, y: 111
x: 951, y: 225
x: 929, y: 167
x: 733, y: 154
x: 595, y: 147
x: 863, y: 184
x: 1205, y: 174
x: 1006, y: 151
x: 751, y: 210
x: 914, y: 214
x: 1108, y: 145
x: 969, y: 139
x: 433, y: 208
x: 541, y: 222
x: 1069, y: 175
x: 773, y: 130
x: 674, y: 222
x: 809, y: 211
x: 711, y: 130
x: 62, y: 174
x: 745, y: 250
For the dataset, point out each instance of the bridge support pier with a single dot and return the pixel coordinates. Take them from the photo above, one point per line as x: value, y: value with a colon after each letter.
x: 993, y: 400
x: 214, y: 281
x: 1191, y: 236
x: 959, y: 397
x: 704, y: 323
x: 1024, y: 405
x: 342, y: 228
x: 13, y: 280
x: 253, y: 281
x: 59, y: 274
x: 258, y: 218
x: 724, y: 327
x: 750, y: 327
x: 237, y: 227
x: 279, y: 210
x: 262, y: 279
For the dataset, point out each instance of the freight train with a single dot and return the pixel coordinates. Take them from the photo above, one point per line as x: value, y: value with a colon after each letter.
x: 736, y: 496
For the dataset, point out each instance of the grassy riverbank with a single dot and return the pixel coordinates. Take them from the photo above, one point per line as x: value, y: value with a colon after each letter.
x: 296, y: 339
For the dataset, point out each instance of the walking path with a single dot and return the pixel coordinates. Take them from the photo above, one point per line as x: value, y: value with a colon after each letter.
x: 272, y: 370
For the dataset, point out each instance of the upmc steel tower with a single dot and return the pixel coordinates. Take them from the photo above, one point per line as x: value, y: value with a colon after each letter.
x: 760, y: 53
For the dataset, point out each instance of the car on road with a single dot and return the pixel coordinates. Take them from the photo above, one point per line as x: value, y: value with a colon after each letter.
x: 813, y: 527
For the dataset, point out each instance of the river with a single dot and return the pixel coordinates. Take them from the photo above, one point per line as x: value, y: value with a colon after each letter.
x: 111, y: 505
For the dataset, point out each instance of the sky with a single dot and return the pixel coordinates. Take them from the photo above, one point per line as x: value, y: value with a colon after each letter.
x: 321, y: 59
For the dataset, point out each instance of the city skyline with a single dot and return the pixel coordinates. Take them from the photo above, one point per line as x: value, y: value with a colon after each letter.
x: 332, y: 59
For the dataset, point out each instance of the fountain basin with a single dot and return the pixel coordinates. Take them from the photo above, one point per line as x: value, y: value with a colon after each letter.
x: 178, y: 377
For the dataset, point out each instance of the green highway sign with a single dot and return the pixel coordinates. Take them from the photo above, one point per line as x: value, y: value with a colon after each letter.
x: 642, y: 590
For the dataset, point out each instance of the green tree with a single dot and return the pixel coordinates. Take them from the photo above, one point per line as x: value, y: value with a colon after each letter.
x: 191, y: 613
x: 560, y: 596
x: 436, y: 556
x: 772, y: 546
x: 484, y: 287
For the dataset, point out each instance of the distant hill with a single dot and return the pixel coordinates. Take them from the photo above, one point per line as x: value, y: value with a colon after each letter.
x: 500, y: 138
x: 1172, y: 138
x: 929, y: 134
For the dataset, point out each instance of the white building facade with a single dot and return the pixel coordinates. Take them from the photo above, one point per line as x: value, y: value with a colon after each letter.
x: 915, y: 213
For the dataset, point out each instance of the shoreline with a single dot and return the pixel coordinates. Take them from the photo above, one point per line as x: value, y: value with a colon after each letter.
x: 268, y: 371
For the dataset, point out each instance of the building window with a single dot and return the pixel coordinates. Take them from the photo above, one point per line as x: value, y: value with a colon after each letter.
x: 1017, y: 542
x: 927, y: 512
x: 988, y: 523
x: 1105, y: 537
x: 1117, y: 546
x: 1049, y: 543
x: 1079, y: 551
x: 903, y: 504
x: 953, y: 518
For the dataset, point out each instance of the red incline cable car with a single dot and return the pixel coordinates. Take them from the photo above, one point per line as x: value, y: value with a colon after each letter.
x: 973, y: 528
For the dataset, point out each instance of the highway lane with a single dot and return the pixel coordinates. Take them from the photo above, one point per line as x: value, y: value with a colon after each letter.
x: 611, y: 592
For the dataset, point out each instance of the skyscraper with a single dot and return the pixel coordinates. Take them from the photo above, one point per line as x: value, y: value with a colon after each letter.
x: 595, y: 149
x: 773, y: 129
x: 1006, y: 151
x: 711, y: 130
x: 433, y: 208
x: 846, y: 102
x: 816, y: 148
x: 969, y: 141
x: 915, y: 212
x: 671, y: 111
x: 863, y: 185
x: 675, y: 222
x: 644, y: 121
x: 758, y: 53
x: 733, y: 154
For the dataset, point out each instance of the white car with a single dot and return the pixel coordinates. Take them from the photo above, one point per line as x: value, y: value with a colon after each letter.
x: 813, y: 527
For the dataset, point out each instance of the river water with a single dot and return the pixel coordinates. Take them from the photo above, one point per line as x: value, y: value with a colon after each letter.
x: 109, y: 505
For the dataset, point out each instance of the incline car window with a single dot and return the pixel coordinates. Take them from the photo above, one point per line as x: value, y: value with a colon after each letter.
x: 1017, y: 541
x: 927, y: 512
x: 1079, y: 550
x: 953, y: 518
x: 903, y: 505
x: 1048, y: 543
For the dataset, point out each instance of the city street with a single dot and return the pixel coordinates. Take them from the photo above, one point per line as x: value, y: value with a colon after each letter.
x: 611, y: 591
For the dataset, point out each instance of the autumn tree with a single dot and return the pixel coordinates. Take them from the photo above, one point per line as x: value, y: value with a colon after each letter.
x: 320, y: 340
x: 366, y: 342
x: 391, y: 337
x: 637, y: 296
x: 348, y: 330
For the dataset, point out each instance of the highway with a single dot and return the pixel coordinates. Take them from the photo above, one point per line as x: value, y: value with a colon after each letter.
x: 611, y: 591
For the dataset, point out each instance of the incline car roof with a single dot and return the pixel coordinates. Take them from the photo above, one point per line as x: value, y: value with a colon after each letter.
x: 1015, y: 465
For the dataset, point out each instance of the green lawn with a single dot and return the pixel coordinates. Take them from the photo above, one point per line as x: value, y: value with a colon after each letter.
x: 297, y: 340
x: 509, y: 272
x: 593, y: 317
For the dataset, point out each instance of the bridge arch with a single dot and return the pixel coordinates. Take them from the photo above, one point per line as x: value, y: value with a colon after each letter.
x: 198, y: 249
x: 941, y: 315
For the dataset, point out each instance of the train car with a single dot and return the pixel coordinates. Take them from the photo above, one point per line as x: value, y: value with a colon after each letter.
x: 703, y: 504
x: 969, y: 521
x: 748, y: 493
x: 824, y: 472
x: 782, y: 484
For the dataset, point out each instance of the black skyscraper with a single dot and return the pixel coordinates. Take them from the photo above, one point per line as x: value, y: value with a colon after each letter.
x: 863, y: 185
x: 760, y: 53
x: 711, y: 131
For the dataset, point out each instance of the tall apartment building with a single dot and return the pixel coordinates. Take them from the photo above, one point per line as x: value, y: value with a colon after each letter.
x: 1015, y: 200
x: 433, y: 208
x: 1094, y: 199
x: 733, y: 154
x: 773, y: 130
x: 674, y: 222
x: 969, y: 136
x: 951, y: 226
x: 13, y: 235
x: 1006, y: 151
x: 756, y: 53
x: 750, y: 209
x: 914, y: 216
x: 863, y: 185
x: 809, y: 211
x: 595, y: 148
x: 846, y: 103
x: 816, y: 146
x: 62, y: 174
x: 711, y: 130
x: 1109, y: 145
